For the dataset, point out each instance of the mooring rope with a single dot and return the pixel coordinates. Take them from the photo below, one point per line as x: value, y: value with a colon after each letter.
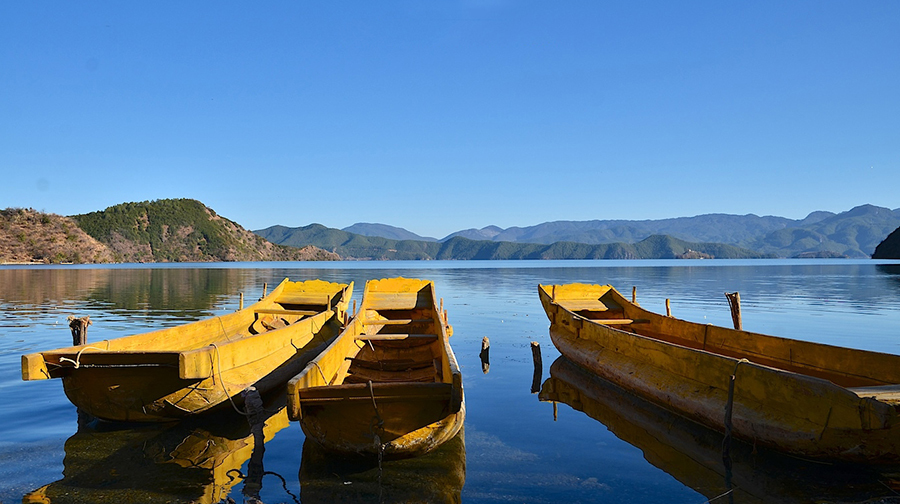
x: 77, y: 360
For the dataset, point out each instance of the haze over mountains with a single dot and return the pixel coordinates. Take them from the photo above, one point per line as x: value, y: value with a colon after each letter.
x: 854, y: 233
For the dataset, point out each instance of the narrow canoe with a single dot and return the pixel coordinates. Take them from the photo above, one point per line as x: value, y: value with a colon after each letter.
x: 181, y: 371
x: 389, y: 385
x: 803, y: 398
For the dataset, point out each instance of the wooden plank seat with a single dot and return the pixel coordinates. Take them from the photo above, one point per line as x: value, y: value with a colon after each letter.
x: 390, y: 364
x: 887, y: 393
x: 393, y: 337
x: 395, y: 321
x: 362, y: 375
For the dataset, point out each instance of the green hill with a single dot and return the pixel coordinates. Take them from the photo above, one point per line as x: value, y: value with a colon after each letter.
x: 182, y: 230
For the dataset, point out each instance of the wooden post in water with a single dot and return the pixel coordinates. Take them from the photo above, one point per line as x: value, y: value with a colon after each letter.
x: 668, y: 308
x: 78, y: 326
x: 538, y: 367
x: 241, y: 306
x: 255, y: 469
x: 79, y: 329
x: 634, y: 294
x: 734, y: 302
x: 354, y: 307
x: 265, y: 288
x: 485, y: 355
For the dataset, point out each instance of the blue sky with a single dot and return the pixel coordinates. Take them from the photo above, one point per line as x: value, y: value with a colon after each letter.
x: 440, y: 116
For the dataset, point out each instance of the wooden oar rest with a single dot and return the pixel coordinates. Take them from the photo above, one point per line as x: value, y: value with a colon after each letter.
x: 279, y: 311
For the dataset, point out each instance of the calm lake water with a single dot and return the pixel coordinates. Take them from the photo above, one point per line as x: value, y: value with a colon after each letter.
x: 605, y: 447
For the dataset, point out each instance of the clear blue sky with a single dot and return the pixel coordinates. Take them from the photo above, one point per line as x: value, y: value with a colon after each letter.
x: 440, y: 116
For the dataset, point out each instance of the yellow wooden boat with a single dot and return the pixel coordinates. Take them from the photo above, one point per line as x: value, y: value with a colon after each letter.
x: 808, y: 399
x: 389, y: 385
x: 180, y: 371
x: 692, y: 453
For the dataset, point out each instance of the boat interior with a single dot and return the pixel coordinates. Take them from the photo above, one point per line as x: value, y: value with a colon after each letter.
x: 397, y: 340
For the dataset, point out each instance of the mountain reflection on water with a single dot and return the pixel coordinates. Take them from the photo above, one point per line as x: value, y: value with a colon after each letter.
x: 692, y: 453
x: 197, y: 461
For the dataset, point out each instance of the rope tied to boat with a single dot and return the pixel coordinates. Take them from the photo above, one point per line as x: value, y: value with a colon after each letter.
x: 222, y: 381
x: 321, y: 372
x: 77, y: 361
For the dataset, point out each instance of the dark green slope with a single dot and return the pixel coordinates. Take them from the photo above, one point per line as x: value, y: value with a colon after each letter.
x: 181, y: 230
x: 889, y: 248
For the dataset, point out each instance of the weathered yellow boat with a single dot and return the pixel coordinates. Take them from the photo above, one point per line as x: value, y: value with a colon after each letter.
x: 808, y: 399
x: 692, y: 453
x: 389, y: 385
x: 181, y: 371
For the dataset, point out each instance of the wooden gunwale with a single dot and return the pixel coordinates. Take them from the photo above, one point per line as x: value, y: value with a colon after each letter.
x: 794, y: 404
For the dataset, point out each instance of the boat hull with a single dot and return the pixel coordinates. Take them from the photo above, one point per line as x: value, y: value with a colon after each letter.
x: 177, y: 372
x: 788, y: 411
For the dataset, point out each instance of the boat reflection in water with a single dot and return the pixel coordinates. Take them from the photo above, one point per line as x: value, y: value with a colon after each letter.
x: 692, y: 453
x: 437, y: 477
x: 195, y: 461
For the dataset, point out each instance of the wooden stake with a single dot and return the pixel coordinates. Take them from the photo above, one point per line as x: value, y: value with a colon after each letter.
x: 354, y: 307
x: 729, y: 408
x: 553, y: 293
x: 634, y: 294
x: 242, y: 302
x: 79, y: 326
x: 734, y: 302
x: 668, y: 309
x: 485, y: 355
x: 538, y: 367
x: 265, y: 288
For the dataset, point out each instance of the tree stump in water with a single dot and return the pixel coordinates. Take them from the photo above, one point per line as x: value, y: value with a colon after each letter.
x: 79, y: 329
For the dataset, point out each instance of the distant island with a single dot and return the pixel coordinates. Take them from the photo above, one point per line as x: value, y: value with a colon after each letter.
x: 186, y: 230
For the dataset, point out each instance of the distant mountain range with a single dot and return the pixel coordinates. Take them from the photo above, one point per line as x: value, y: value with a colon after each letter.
x: 355, y: 246
x: 854, y: 233
x: 187, y: 230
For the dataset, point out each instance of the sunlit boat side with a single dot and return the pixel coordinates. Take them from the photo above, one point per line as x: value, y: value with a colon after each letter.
x: 804, y: 398
x: 181, y: 371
